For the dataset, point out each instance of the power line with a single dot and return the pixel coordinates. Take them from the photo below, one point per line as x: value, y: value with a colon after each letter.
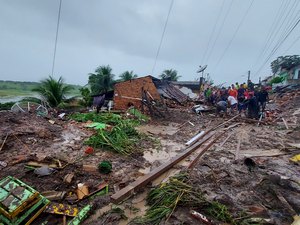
x: 289, y: 26
x: 221, y: 28
x: 235, y: 33
x: 271, y: 31
x: 289, y: 23
x: 56, y: 36
x: 162, y: 36
x: 294, y: 42
x: 278, y: 46
x: 279, y: 28
x: 213, y: 31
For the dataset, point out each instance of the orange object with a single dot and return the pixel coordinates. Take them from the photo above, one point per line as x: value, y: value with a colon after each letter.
x: 89, y: 150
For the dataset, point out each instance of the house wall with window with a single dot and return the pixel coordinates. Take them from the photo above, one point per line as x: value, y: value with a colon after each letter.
x: 296, y: 73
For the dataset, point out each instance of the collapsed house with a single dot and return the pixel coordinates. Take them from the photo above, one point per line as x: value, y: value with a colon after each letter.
x: 142, y: 91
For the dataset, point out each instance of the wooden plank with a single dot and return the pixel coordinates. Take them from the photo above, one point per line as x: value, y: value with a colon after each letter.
x: 4, y: 141
x: 142, y: 181
x: 214, y: 128
x: 285, y: 123
x: 237, y: 152
x: 226, y: 139
x: 193, y: 163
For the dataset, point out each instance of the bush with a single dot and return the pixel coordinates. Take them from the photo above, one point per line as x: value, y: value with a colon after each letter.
x: 6, y: 106
x: 105, y: 167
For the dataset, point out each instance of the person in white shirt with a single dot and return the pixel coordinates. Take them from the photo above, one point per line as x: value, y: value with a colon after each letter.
x: 232, y: 102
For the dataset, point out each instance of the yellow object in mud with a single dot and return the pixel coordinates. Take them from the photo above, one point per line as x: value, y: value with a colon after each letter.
x: 295, y: 158
x: 296, y: 220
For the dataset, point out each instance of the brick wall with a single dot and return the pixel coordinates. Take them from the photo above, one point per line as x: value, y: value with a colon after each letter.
x: 130, y: 92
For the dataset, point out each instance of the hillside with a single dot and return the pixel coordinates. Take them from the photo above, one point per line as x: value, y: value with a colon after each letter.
x: 19, y: 88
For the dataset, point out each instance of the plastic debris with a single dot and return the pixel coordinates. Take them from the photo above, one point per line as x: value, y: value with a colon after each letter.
x: 295, y: 158
x: 44, y: 171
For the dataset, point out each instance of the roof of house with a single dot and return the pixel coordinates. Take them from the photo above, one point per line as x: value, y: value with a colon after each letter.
x: 194, y: 85
x: 168, y: 90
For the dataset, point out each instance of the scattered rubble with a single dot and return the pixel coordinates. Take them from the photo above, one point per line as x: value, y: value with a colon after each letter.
x: 190, y: 168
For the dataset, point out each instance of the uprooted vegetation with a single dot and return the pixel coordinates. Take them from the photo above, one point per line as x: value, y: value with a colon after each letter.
x: 119, y: 135
x: 179, y: 191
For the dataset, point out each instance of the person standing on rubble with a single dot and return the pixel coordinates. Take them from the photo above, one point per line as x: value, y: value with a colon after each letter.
x: 208, y: 94
x: 233, y: 92
x: 263, y: 97
x: 241, y: 91
x: 253, y: 108
x: 250, y: 85
x: 223, y: 94
x: 237, y: 86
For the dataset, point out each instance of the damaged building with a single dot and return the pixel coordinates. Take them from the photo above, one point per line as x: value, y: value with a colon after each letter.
x: 135, y: 92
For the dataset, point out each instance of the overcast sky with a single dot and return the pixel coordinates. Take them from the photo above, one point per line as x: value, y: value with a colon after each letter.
x: 126, y: 36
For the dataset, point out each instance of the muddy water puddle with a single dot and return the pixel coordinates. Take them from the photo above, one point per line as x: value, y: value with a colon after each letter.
x: 136, y: 208
x: 171, y: 129
x: 169, y: 149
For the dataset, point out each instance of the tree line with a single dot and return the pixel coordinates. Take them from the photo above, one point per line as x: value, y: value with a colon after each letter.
x: 100, y: 81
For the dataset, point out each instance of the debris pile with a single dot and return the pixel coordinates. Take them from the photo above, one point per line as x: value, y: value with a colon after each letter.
x: 178, y: 168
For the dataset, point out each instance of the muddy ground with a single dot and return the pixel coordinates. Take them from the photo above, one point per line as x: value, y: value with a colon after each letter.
x: 248, y: 182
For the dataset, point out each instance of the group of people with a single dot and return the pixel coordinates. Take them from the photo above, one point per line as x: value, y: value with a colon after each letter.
x: 242, y: 98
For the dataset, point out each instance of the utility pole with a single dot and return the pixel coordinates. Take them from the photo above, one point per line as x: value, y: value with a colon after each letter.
x: 248, y: 76
x: 201, y: 69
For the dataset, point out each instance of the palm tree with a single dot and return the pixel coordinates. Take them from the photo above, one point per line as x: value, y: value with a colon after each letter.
x: 128, y: 76
x: 102, y: 80
x: 170, y: 75
x: 53, y: 91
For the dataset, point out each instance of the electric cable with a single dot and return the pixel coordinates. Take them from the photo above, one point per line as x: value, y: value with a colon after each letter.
x: 234, y: 35
x: 277, y: 47
x: 221, y: 28
x: 162, y: 36
x: 212, y: 32
x: 56, y: 37
x: 294, y: 42
x: 271, y: 32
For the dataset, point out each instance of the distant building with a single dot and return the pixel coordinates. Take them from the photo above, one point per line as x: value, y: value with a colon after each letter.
x: 290, y: 75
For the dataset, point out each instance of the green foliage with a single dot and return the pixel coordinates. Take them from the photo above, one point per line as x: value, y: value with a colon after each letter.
x: 179, y: 191
x: 102, y: 80
x: 6, y: 106
x: 277, y: 80
x: 86, y: 96
x: 219, y: 211
x: 128, y: 76
x: 140, y: 116
x: 53, y: 91
x: 107, y: 118
x: 287, y: 62
x: 164, y: 199
x: 105, y: 167
x: 170, y: 75
x: 121, y: 138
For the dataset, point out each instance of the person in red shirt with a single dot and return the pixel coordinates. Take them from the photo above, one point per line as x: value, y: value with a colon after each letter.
x: 233, y: 92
